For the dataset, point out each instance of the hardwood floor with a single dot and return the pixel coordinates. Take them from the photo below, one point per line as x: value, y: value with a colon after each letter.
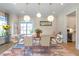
x: 71, y: 47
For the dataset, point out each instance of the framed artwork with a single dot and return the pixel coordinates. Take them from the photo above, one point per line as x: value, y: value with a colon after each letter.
x: 45, y: 23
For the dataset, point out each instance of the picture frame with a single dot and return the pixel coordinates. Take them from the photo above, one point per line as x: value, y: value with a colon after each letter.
x: 45, y: 23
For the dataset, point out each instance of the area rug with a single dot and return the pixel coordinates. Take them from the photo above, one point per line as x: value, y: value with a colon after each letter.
x: 17, y: 50
x: 21, y: 50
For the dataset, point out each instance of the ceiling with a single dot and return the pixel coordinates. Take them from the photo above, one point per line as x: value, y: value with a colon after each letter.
x: 32, y: 9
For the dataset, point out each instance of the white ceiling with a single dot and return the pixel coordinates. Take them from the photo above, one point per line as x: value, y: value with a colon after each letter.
x: 32, y: 8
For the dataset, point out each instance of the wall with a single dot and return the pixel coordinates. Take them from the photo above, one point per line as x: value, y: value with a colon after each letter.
x: 61, y: 26
x: 2, y: 13
x: 63, y: 22
x: 47, y: 30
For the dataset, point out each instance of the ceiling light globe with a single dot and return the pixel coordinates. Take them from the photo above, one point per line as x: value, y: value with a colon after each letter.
x: 38, y: 15
x: 50, y: 18
x: 26, y: 17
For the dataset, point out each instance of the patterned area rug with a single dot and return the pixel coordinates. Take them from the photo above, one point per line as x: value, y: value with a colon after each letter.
x: 17, y: 50
x: 21, y: 50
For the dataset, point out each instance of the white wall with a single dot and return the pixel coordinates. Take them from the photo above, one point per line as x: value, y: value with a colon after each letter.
x: 61, y: 26
x: 71, y: 21
x: 47, y: 30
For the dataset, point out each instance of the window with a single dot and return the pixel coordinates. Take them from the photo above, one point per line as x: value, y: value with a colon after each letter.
x: 29, y: 28
x: 26, y: 28
x: 23, y: 28
x: 3, y: 21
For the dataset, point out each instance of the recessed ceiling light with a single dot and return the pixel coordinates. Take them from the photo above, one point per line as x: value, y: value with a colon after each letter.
x: 14, y: 3
x: 38, y: 15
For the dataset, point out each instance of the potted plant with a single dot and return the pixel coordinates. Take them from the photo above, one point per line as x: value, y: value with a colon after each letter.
x: 38, y: 32
x: 6, y: 28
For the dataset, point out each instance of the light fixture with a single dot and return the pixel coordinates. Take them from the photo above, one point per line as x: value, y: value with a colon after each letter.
x: 27, y: 18
x: 14, y: 3
x: 71, y: 30
x: 38, y: 15
x: 61, y: 3
x: 50, y: 18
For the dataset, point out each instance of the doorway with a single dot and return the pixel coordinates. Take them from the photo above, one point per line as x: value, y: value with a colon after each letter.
x: 71, y: 28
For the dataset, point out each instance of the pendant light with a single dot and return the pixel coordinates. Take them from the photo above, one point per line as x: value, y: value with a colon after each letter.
x: 38, y: 14
x: 50, y: 18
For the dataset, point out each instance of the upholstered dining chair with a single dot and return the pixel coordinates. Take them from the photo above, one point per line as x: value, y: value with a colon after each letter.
x: 53, y: 41
x: 28, y: 40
